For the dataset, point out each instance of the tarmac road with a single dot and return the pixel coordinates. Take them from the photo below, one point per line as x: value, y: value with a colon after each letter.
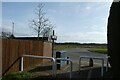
x: 86, y: 73
x: 75, y: 53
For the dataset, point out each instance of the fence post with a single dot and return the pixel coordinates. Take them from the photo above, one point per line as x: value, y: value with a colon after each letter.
x: 54, y: 67
x: 79, y: 64
x: 21, y: 63
x: 102, y: 68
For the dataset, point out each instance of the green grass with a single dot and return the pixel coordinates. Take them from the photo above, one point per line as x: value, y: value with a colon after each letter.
x: 64, y: 47
x: 92, y: 48
x: 70, y: 46
x: 17, y: 76
x: 99, y: 50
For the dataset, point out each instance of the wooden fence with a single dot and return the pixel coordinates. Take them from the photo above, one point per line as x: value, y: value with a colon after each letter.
x: 0, y: 57
x: 12, y: 49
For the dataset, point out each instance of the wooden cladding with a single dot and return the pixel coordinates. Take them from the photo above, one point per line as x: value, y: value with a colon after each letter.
x: 12, y: 49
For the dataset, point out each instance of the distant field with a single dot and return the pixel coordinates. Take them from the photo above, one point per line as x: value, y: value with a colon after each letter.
x: 99, y: 50
x: 64, y: 47
x: 94, y: 47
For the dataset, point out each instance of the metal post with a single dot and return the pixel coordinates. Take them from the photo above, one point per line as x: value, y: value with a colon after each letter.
x: 102, y: 67
x: 21, y: 63
x: 53, y: 64
x: 99, y: 58
x: 52, y: 48
x: 53, y: 37
x: 107, y: 63
x: 79, y: 64
x: 54, y: 67
x: 43, y: 57
x: 63, y: 59
x: 53, y: 43
x: 71, y: 70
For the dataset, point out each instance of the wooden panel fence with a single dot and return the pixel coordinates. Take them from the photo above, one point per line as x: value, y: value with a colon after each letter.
x: 12, y: 49
x: 0, y: 57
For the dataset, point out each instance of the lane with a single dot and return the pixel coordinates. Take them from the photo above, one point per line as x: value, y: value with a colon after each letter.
x: 87, y: 72
x: 74, y: 54
x: 90, y: 72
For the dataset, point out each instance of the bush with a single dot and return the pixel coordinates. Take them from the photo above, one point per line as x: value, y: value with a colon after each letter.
x: 17, y: 76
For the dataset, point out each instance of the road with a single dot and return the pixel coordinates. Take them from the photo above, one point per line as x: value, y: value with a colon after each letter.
x: 86, y: 73
x: 74, y: 55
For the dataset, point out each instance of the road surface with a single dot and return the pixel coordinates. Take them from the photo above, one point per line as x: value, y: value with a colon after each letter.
x: 75, y: 53
x: 89, y: 72
x: 86, y: 72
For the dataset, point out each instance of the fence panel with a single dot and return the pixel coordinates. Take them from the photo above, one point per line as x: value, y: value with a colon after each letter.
x: 12, y: 49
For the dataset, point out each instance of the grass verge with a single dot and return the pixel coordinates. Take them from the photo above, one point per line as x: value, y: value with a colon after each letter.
x: 17, y: 76
x: 98, y: 50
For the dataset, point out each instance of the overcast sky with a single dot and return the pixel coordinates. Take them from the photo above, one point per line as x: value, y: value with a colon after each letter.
x: 84, y: 22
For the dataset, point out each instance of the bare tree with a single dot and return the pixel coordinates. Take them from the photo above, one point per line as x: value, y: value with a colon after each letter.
x: 5, y: 34
x: 41, y: 22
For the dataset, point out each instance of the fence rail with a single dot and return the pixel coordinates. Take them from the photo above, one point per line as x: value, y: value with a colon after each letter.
x: 63, y: 59
x: 41, y: 57
x: 98, y: 58
x: 54, y: 66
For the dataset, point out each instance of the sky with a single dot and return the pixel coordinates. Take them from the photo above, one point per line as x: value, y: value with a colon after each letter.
x: 59, y: 0
x: 83, y: 22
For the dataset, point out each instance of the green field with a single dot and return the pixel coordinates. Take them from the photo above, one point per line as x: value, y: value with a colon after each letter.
x: 100, y: 48
x: 64, y: 47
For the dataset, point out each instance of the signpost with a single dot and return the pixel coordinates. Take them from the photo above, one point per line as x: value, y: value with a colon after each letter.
x: 53, y: 37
